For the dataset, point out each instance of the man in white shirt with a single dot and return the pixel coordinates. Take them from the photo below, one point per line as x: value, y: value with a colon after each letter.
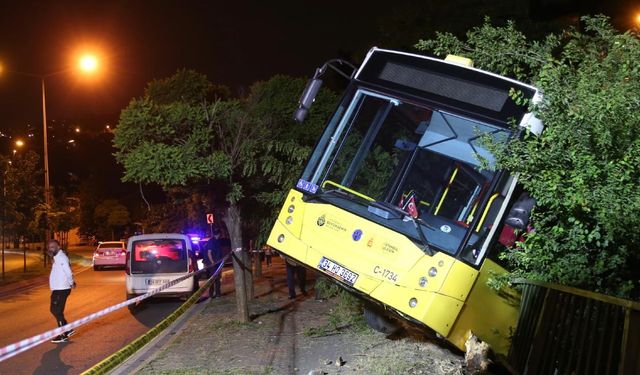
x: 61, y: 282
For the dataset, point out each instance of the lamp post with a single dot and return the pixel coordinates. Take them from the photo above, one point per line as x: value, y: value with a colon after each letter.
x: 87, y: 64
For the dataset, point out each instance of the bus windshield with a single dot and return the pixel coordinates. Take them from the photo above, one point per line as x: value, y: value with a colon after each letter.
x: 386, y: 150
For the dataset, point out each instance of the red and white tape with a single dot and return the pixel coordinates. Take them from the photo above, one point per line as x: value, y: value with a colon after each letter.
x: 26, y: 344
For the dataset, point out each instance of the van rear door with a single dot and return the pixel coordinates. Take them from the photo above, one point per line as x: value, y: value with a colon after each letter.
x: 157, y: 261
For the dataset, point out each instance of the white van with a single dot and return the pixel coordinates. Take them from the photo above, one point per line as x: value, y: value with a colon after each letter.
x: 155, y: 259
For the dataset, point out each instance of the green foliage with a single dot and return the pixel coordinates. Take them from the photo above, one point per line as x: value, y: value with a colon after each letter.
x: 185, y: 86
x: 289, y: 144
x: 22, y: 195
x: 167, y: 144
x: 585, y: 167
x: 110, y: 215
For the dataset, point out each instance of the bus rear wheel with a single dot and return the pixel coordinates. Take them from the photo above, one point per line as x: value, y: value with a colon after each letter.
x: 378, y: 321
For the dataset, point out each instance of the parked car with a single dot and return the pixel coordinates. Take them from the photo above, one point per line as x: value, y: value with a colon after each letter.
x: 155, y: 259
x: 109, y: 254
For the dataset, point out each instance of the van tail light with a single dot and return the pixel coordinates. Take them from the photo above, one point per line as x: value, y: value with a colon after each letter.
x: 127, y: 265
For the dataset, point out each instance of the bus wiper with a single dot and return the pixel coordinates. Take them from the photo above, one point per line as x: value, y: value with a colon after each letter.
x: 423, y: 238
x: 322, y: 194
x: 388, y: 211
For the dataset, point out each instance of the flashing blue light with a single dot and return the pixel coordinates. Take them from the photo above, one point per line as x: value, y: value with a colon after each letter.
x: 195, y: 239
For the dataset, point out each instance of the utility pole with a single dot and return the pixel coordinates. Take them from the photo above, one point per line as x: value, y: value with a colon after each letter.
x: 47, y: 198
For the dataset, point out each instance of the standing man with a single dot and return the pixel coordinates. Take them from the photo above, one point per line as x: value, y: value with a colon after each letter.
x: 213, y: 255
x: 267, y: 254
x: 295, y: 271
x: 61, y: 282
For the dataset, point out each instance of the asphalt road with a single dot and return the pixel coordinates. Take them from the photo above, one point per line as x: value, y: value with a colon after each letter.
x: 26, y: 313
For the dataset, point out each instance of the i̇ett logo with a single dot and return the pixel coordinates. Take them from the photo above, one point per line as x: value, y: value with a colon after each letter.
x: 321, y: 221
x: 357, y: 235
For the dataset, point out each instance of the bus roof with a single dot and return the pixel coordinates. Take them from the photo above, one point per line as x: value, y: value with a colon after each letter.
x: 446, y: 85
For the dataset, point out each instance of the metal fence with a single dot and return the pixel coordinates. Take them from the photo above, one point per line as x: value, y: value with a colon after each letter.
x: 563, y: 330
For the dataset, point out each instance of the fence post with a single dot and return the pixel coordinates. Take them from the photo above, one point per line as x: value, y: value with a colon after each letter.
x: 246, y: 259
x: 258, y: 260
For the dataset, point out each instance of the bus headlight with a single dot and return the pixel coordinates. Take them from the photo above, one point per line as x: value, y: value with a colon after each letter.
x: 281, y: 238
x: 413, y: 302
x: 423, y: 282
x: 291, y: 209
x: 433, y: 271
x: 289, y: 220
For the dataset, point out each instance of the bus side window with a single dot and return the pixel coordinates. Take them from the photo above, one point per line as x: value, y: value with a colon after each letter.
x: 513, y: 227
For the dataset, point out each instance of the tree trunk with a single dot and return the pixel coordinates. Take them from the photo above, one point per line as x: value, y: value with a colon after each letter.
x: 233, y: 221
x: 257, y: 259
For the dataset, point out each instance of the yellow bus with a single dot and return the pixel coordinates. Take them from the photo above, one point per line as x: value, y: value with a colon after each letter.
x: 399, y: 202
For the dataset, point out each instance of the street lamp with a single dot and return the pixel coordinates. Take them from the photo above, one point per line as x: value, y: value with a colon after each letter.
x: 87, y: 63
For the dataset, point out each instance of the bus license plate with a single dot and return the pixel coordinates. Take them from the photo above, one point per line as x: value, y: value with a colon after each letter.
x: 156, y: 281
x: 338, y: 271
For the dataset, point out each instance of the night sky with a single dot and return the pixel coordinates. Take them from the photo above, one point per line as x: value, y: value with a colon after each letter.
x: 235, y: 43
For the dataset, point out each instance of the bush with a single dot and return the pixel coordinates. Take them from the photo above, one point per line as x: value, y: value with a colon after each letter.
x: 584, y: 169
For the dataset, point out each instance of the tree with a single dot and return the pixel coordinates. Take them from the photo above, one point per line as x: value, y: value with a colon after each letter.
x: 289, y: 144
x: 180, y: 135
x: 112, y: 215
x: 22, y: 194
x: 176, y: 137
x: 584, y: 169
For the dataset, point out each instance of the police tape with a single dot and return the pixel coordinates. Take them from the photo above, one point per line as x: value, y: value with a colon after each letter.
x: 117, y: 358
x: 26, y: 344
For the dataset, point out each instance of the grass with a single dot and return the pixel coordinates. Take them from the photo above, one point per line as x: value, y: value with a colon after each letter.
x: 194, y: 371
x: 346, y: 315
x: 389, y: 364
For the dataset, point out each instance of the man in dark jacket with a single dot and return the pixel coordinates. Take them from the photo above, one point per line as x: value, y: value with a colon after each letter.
x: 295, y: 271
x: 213, y: 255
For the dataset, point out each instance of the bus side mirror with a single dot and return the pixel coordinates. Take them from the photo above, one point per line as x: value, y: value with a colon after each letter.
x: 520, y: 213
x: 307, y: 98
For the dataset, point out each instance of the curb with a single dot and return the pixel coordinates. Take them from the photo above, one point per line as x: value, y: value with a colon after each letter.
x: 119, y: 357
x: 145, y: 354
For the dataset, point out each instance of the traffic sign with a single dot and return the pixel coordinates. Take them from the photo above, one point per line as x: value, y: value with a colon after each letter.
x: 210, y: 219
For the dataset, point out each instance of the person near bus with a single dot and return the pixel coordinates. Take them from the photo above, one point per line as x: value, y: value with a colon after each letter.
x: 295, y: 271
x: 213, y: 256
x: 61, y: 282
x: 268, y: 253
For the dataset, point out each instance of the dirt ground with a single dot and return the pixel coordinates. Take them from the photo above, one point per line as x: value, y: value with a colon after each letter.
x: 301, y: 336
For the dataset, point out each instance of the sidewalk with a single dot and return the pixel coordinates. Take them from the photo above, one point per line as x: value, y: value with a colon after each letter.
x: 302, y: 336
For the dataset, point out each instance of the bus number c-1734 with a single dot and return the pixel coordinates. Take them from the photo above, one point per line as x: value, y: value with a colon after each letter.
x: 386, y: 274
